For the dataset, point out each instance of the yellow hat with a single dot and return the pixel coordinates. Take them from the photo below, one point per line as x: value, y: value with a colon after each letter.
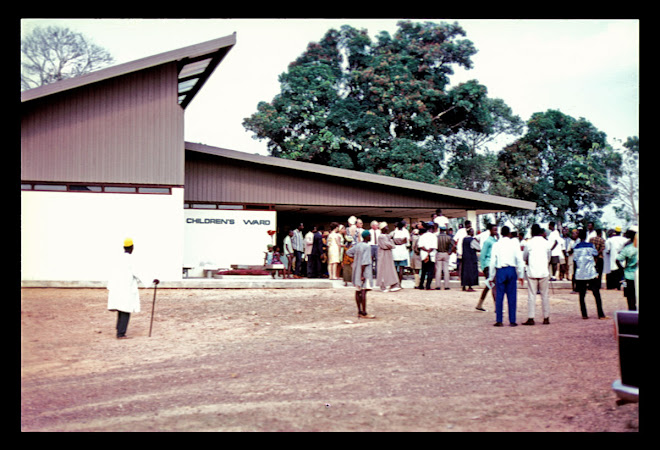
x: 617, y: 229
x: 128, y: 242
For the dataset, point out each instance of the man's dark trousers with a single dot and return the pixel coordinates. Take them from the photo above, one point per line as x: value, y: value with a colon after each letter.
x: 428, y: 272
x: 299, y: 256
x: 122, y: 323
x: 314, y: 266
x: 505, y: 283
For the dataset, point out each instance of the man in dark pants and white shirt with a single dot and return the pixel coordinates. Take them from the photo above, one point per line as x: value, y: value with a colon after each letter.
x: 506, y: 265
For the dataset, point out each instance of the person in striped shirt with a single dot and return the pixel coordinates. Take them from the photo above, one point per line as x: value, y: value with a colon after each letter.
x: 445, y: 247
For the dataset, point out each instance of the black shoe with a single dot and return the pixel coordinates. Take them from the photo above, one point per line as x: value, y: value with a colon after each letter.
x: 480, y: 309
x: 529, y: 322
x: 498, y: 324
x: 513, y: 324
x: 546, y: 321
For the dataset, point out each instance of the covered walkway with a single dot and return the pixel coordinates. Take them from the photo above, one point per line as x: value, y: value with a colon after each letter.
x: 315, y: 194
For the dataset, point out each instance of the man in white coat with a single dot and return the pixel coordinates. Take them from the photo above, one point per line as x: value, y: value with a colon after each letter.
x: 123, y: 295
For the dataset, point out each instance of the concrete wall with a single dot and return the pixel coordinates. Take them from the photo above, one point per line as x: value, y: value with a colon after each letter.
x: 219, y: 238
x: 69, y: 236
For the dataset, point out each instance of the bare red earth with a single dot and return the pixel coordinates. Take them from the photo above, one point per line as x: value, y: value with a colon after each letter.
x: 299, y: 360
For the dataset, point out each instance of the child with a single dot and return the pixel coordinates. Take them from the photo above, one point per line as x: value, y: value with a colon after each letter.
x: 347, y: 263
x: 362, y: 275
x: 268, y: 255
x: 276, y: 263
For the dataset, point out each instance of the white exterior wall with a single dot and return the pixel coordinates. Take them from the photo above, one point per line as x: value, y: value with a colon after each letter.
x: 217, y: 239
x: 71, y: 236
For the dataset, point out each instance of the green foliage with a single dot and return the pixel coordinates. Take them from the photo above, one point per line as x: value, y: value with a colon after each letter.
x: 385, y: 107
x: 562, y: 164
x: 380, y: 106
x: 477, y: 172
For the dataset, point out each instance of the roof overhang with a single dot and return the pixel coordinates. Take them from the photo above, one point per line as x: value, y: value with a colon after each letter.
x: 195, y: 65
x: 474, y: 201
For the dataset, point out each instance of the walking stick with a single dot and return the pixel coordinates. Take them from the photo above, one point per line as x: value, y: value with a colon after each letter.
x: 153, y: 306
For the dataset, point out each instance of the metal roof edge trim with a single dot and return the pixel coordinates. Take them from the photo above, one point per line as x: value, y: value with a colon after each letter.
x: 128, y: 67
x: 359, y: 176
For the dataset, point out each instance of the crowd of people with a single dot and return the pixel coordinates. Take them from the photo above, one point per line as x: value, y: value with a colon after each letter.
x: 377, y: 258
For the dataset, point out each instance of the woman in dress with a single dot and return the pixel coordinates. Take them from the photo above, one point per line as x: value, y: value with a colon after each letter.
x: 470, y: 271
x: 386, y: 275
x: 334, y: 255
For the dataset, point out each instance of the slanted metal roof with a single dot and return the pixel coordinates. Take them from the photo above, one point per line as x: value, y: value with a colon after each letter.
x: 195, y: 64
x: 460, y: 199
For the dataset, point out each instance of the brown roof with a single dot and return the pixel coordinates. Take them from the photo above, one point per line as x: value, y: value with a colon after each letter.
x: 196, y: 63
x: 312, y: 173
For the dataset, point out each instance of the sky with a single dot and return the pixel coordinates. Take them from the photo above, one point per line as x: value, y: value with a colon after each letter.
x: 584, y: 68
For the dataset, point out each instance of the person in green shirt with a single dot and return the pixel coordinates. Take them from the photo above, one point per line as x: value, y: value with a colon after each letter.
x: 485, y: 263
x: 628, y: 257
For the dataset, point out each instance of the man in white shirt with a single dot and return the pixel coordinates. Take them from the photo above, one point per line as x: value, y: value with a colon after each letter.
x: 506, y: 265
x: 556, y: 245
x: 537, y: 254
x: 288, y: 254
x: 427, y: 244
x: 483, y: 237
x: 440, y: 220
x: 613, y: 246
x: 591, y: 231
x: 309, y: 243
x: 458, y: 244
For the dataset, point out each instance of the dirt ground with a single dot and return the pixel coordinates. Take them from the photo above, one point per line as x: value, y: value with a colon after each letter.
x: 300, y: 360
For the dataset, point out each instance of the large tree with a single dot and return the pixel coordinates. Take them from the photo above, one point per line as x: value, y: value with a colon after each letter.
x: 471, y: 164
x: 564, y: 165
x: 626, y: 203
x: 382, y: 106
x: 55, y: 53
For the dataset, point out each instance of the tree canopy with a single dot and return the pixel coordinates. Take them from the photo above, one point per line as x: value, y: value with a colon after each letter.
x: 54, y: 53
x: 563, y: 164
x: 380, y: 106
x: 386, y: 106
